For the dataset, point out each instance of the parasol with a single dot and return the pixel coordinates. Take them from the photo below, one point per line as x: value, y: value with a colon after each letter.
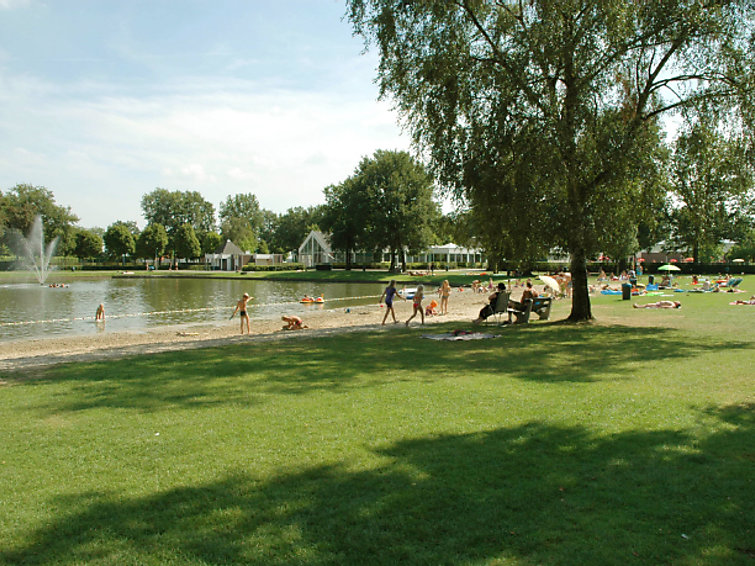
x: 551, y: 283
x: 668, y: 267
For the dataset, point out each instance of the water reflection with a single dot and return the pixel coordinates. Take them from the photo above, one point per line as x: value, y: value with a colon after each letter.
x: 32, y: 310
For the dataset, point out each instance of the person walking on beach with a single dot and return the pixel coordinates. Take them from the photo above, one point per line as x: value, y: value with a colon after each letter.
x: 241, y: 308
x: 389, y: 293
x: 444, y: 292
x: 418, y: 296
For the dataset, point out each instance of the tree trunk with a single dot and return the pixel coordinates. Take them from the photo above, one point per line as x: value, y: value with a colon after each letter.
x: 580, y: 304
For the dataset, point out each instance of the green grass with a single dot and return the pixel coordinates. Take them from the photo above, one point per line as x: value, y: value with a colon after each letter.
x: 625, y: 442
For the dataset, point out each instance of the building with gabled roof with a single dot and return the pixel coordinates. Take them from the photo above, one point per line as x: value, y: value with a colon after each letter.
x: 227, y: 257
x: 316, y: 250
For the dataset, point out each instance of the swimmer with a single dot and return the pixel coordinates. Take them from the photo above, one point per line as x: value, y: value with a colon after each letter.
x: 293, y: 322
x: 241, y: 307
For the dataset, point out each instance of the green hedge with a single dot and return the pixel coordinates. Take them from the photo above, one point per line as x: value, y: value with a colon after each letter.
x: 276, y: 267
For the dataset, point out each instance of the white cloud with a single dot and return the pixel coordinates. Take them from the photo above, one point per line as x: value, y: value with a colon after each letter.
x: 283, y: 146
x: 14, y: 4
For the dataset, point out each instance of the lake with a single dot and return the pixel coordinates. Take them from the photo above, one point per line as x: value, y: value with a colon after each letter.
x: 34, y: 311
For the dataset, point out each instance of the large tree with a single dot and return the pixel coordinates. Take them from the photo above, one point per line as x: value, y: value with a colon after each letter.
x: 152, y: 242
x: 88, y: 244
x: 712, y: 188
x: 186, y: 242
x: 241, y: 220
x: 173, y: 209
x: 398, y: 207
x: 23, y: 203
x: 564, y: 87
x: 119, y: 240
x: 347, y: 213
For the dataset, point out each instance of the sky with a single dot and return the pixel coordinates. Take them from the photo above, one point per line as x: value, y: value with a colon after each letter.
x: 102, y: 101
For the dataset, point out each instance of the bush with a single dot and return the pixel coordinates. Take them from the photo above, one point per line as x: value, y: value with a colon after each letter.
x: 275, y: 267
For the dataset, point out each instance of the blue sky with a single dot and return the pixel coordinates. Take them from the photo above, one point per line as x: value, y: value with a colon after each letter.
x: 101, y: 101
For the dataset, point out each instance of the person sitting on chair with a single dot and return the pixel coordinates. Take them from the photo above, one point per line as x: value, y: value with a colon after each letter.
x: 489, y: 309
x: 528, y: 293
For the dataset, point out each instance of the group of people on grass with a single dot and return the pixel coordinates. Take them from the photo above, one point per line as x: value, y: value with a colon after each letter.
x: 390, y: 294
x: 489, y: 310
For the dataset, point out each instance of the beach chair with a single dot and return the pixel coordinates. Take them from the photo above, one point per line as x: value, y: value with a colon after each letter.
x: 522, y: 316
x: 542, y: 307
x: 501, y: 307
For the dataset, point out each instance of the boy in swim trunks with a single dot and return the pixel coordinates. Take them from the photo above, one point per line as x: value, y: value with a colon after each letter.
x: 241, y: 307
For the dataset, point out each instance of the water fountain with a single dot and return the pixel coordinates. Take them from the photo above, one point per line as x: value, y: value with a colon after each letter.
x: 32, y: 252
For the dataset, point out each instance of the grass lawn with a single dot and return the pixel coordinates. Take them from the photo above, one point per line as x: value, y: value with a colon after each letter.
x: 629, y: 441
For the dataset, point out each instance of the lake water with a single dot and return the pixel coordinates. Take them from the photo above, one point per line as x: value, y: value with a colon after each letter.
x: 34, y: 311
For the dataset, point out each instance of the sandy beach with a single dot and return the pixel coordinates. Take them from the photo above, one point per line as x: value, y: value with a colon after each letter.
x: 39, y: 353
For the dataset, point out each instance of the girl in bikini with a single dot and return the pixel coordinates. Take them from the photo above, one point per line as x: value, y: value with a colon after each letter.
x: 418, y: 305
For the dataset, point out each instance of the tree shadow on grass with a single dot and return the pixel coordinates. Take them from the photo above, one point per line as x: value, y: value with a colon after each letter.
x: 531, y: 494
x: 244, y: 374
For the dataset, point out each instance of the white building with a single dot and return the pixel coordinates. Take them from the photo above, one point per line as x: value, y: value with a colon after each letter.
x: 227, y: 257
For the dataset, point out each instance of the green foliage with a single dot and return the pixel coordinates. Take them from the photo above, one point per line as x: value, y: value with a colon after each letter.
x: 553, y: 99
x: 173, y: 209
x: 88, y: 244
x: 276, y: 267
x: 152, y: 242
x: 185, y: 242
x: 552, y: 445
x: 293, y: 226
x: 210, y: 241
x: 347, y: 216
x: 395, y: 196
x: 23, y: 203
x: 241, y: 220
x: 119, y: 240
x: 744, y: 249
x: 712, y: 190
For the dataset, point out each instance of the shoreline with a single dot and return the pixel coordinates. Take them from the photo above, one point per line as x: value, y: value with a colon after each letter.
x: 38, y: 353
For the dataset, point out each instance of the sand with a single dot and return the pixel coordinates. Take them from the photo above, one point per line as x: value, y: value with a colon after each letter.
x: 40, y: 353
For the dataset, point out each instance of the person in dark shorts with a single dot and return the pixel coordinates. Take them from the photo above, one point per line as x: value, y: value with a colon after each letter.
x: 241, y: 308
x: 389, y: 293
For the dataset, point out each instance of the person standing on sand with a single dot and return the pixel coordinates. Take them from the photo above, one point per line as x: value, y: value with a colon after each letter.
x: 444, y: 292
x: 389, y: 293
x: 241, y: 307
x: 418, y: 296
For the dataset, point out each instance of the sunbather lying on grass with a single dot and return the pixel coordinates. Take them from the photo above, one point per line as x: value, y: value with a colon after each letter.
x: 660, y: 305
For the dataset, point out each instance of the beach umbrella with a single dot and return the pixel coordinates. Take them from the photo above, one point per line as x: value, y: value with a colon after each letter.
x: 673, y: 261
x: 738, y: 260
x: 668, y: 267
x: 641, y: 260
x: 689, y: 260
x: 550, y: 282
